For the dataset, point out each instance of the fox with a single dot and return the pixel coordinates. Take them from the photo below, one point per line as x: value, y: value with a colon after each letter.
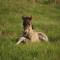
x: 29, y: 34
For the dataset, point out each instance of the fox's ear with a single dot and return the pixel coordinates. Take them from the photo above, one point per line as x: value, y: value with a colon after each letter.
x: 30, y: 18
x: 27, y: 17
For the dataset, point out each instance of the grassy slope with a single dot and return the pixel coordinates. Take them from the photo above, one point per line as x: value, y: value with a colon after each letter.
x: 46, y: 18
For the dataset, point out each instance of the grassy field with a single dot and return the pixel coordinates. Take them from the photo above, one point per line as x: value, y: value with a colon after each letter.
x: 46, y: 18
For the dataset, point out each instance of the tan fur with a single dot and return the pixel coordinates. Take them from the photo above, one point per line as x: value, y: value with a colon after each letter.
x: 34, y: 35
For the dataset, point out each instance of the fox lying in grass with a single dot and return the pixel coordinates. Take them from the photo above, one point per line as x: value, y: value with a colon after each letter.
x: 29, y: 34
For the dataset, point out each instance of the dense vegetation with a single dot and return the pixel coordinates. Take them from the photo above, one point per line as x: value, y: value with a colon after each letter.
x: 46, y: 18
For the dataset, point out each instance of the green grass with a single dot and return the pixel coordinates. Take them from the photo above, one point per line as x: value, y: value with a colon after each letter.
x: 46, y: 18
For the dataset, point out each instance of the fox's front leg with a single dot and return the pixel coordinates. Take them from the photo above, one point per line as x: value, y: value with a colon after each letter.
x: 21, y: 39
